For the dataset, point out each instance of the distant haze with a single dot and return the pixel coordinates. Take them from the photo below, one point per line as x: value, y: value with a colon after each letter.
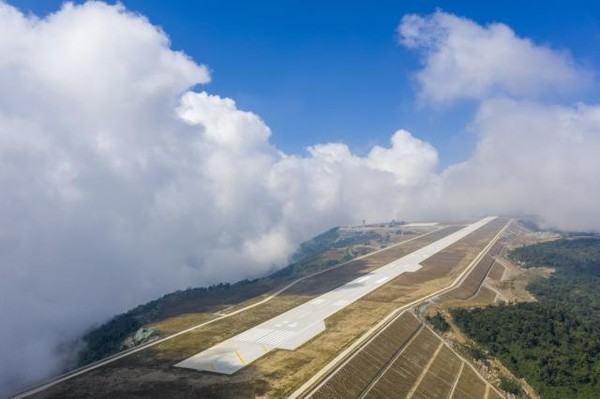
x: 119, y: 182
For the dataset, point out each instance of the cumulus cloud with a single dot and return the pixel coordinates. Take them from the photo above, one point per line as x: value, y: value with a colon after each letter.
x: 531, y: 159
x: 465, y: 60
x: 336, y: 185
x: 118, y: 183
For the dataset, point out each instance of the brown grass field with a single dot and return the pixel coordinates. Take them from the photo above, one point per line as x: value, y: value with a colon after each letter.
x: 496, y: 272
x: 426, y: 368
x: 438, y: 381
x: 484, y: 297
x: 470, y: 286
x: 399, y: 379
x: 470, y: 385
x: 494, y: 395
x: 358, y: 373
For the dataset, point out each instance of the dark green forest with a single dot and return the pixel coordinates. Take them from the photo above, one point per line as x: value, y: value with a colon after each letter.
x: 438, y: 322
x: 553, y: 343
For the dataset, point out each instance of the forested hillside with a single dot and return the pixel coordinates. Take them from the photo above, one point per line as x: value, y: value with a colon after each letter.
x: 553, y: 343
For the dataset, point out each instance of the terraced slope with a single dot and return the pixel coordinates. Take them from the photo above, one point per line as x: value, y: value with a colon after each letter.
x: 470, y: 385
x: 440, y: 377
x: 470, y: 286
x: 421, y: 366
x: 400, y: 378
x: 361, y: 370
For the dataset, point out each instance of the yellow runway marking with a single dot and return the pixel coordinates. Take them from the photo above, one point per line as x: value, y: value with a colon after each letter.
x: 240, y: 357
x: 264, y: 347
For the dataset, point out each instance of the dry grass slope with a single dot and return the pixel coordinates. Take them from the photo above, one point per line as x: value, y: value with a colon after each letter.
x: 494, y: 395
x: 398, y: 380
x: 441, y: 376
x: 497, y: 272
x: 359, y: 372
x: 469, y: 287
x: 469, y: 386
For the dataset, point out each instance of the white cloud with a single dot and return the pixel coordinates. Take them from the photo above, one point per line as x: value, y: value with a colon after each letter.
x: 410, y: 160
x: 463, y: 59
x: 117, y: 184
x: 531, y: 159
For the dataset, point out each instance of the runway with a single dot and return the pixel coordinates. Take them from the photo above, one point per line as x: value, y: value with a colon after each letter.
x: 293, y: 328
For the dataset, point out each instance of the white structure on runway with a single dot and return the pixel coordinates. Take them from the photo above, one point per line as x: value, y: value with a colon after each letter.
x: 293, y: 328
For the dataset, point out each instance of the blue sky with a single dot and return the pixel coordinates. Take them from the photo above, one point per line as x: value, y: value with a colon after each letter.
x: 319, y: 72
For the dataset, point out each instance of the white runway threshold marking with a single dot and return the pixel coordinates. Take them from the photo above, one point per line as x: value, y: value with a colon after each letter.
x: 293, y: 328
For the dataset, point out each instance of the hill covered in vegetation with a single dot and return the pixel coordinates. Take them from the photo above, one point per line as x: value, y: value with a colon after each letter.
x: 553, y: 343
